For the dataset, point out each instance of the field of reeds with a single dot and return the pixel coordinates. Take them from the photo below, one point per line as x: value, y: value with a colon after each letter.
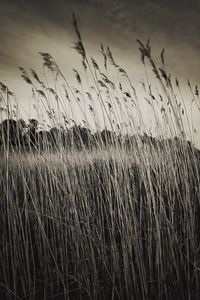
x: 105, y: 208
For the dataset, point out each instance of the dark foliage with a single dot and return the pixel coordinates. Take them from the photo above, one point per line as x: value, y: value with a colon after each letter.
x: 19, y: 135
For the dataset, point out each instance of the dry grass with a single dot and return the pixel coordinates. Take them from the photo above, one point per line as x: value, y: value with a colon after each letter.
x: 105, y: 223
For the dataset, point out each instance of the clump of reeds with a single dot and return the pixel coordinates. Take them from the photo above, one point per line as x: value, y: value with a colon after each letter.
x: 114, y: 221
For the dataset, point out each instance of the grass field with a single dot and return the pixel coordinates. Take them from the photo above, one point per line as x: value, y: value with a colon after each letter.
x: 118, y: 220
x: 103, y: 224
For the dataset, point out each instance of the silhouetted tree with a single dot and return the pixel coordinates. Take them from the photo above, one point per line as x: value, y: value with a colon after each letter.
x: 31, y: 134
x: 80, y: 137
x: 44, y: 140
x: 55, y: 137
x: 10, y: 134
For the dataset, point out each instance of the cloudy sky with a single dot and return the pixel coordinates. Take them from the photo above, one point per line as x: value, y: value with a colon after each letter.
x: 30, y: 26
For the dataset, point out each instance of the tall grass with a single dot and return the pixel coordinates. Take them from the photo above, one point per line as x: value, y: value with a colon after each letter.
x: 116, y: 221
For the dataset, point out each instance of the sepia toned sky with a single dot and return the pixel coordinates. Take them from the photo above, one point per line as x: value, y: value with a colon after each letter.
x: 30, y: 26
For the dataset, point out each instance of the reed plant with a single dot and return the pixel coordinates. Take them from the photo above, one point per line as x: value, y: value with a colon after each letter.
x: 114, y: 218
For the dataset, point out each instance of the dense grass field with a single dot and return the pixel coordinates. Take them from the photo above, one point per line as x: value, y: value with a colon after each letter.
x: 104, y: 224
x: 92, y: 213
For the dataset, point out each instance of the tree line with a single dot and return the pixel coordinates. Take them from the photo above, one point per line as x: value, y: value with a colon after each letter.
x: 26, y: 136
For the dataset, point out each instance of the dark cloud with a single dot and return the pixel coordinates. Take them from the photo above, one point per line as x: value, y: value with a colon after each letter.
x: 170, y: 24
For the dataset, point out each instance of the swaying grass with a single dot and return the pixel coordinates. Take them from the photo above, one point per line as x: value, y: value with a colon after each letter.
x: 115, y: 221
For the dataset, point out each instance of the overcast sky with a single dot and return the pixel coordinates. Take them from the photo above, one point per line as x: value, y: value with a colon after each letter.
x: 30, y: 26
